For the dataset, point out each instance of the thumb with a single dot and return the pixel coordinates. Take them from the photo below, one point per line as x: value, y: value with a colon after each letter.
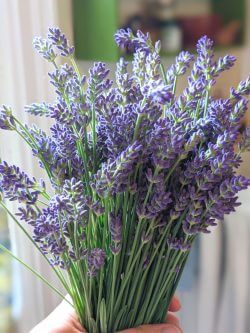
x: 161, y: 328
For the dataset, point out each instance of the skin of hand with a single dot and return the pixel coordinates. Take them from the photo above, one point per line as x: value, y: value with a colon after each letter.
x: 64, y: 320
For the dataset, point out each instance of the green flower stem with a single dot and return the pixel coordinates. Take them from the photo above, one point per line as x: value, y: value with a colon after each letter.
x: 154, y: 271
x: 174, y: 287
x: 100, y: 291
x: 113, y: 285
x: 208, y: 76
x: 136, y: 288
x: 174, y: 85
x: 3, y: 248
x: 130, y: 264
x: 101, y: 273
x: 137, y: 126
x: 163, y: 273
x: 42, y: 202
x: 138, y: 121
x: 206, y: 102
x: 160, y: 290
x: 45, y: 195
x: 126, y: 225
x: 156, y: 275
x: 74, y: 293
x: 174, y: 263
x: 82, y: 154
x: 81, y: 272
x: 163, y: 72
x: 132, y: 261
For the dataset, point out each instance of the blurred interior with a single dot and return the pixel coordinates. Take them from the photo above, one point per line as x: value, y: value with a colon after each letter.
x: 215, y: 289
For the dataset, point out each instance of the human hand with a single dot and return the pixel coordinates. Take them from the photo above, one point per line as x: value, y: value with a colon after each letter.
x: 64, y: 320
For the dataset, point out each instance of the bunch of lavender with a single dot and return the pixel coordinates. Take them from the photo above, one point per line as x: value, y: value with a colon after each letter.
x: 137, y: 172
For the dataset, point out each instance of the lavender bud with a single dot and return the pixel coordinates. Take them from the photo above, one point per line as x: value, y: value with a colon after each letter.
x: 59, y: 40
x: 6, y: 118
x: 44, y: 48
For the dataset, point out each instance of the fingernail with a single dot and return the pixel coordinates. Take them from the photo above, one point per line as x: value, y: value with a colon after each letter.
x: 171, y: 329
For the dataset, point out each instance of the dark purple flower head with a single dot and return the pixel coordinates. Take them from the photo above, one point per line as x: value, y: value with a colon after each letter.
x: 6, y: 118
x: 96, y: 260
x: 16, y: 185
x: 179, y: 244
x: 158, y: 94
x: 115, y: 227
x: 96, y: 206
x: 28, y: 214
x: 59, y: 40
x: 127, y: 40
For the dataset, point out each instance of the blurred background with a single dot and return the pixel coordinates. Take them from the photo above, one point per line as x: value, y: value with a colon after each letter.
x: 214, y: 291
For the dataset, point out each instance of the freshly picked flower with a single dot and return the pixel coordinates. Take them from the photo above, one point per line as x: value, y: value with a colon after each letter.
x: 137, y: 173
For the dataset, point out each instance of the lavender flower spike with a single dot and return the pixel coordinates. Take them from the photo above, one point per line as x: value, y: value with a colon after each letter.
x: 96, y: 260
x: 44, y: 48
x: 59, y: 40
x: 6, y: 118
x: 126, y: 39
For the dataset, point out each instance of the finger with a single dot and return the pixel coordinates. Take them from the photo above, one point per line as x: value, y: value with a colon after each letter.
x: 175, y: 304
x: 65, y: 309
x: 161, y: 328
x: 172, y: 319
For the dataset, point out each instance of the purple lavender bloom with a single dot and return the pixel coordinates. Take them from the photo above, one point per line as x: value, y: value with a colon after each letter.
x: 242, y: 89
x: 44, y: 48
x: 65, y: 141
x: 115, y: 228
x: 159, y: 94
x: 160, y: 199
x: 127, y: 40
x: 60, y: 76
x: 123, y: 80
x: 28, y: 214
x: 179, y: 244
x: 205, y: 48
x: 16, y: 185
x: 96, y: 260
x: 96, y: 206
x: 182, y: 63
x: 38, y: 109
x: 97, y: 82
x: 114, y: 177
x: 223, y: 64
x: 59, y: 40
x: 6, y: 118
